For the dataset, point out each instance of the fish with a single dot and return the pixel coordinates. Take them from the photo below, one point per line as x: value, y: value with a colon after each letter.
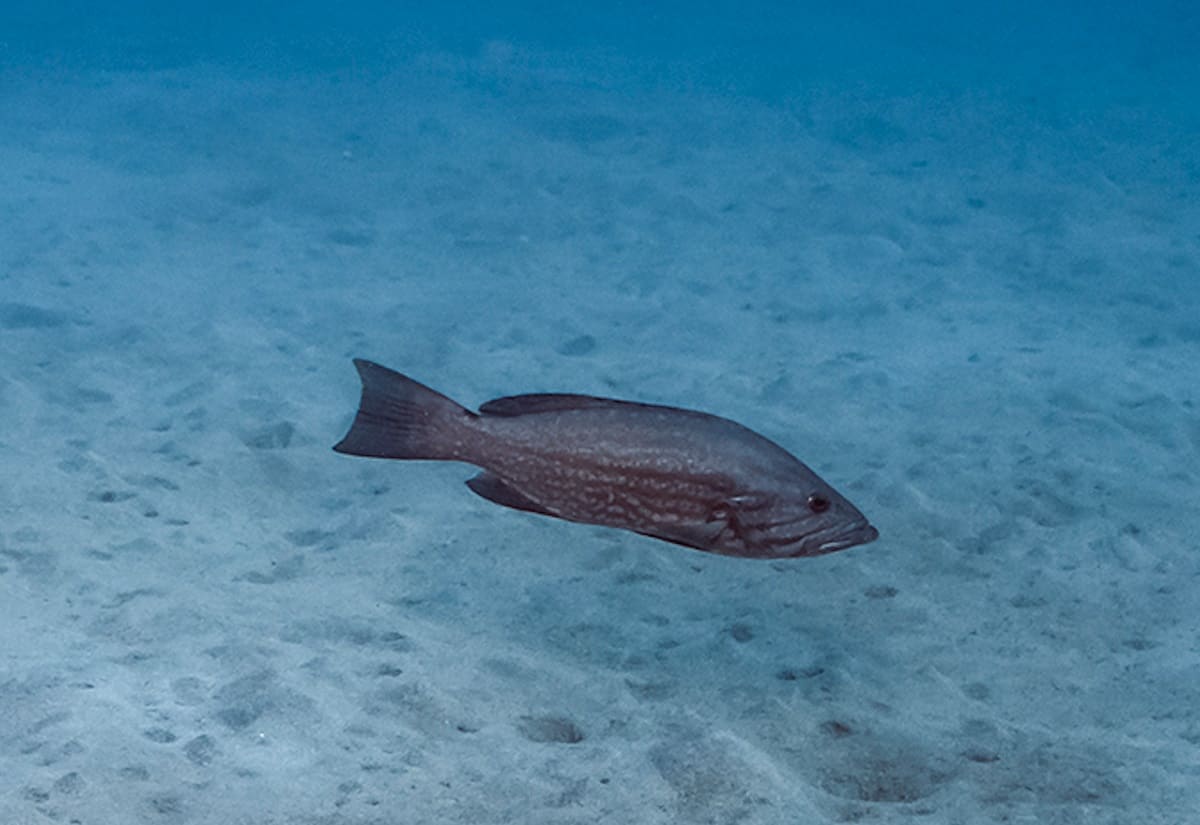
x: 682, y: 476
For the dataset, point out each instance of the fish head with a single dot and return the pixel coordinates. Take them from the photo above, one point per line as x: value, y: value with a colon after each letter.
x: 806, y: 519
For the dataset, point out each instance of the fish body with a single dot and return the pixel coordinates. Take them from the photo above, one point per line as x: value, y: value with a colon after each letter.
x: 678, y: 475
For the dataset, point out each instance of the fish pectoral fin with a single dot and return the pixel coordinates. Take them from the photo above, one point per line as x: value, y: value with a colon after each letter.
x: 494, y: 489
x: 720, y: 531
x: 698, y: 535
x: 743, y: 503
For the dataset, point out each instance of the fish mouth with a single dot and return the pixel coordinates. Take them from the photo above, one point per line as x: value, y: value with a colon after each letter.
x: 852, y: 536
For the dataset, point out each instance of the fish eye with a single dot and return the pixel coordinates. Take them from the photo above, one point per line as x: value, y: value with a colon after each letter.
x: 818, y: 503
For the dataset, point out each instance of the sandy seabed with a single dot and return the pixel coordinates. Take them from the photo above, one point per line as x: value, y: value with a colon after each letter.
x: 978, y: 317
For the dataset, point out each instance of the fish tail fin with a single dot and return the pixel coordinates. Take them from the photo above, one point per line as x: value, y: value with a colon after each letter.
x: 402, y: 418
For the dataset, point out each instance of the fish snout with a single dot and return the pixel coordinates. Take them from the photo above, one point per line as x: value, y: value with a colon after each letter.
x: 839, y: 531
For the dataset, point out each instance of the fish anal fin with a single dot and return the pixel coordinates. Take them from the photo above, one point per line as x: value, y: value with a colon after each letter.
x: 494, y: 489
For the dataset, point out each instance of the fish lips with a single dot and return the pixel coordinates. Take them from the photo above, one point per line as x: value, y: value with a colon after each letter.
x: 862, y: 535
x: 856, y: 534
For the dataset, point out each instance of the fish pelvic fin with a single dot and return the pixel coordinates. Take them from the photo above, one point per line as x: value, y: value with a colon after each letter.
x: 401, y: 418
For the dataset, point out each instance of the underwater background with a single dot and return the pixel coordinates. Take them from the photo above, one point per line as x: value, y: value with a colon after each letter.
x: 948, y: 254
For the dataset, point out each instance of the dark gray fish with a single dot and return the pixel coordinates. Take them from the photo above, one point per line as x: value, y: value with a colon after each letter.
x: 678, y: 475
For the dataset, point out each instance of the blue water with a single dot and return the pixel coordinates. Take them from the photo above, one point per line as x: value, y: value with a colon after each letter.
x: 948, y: 256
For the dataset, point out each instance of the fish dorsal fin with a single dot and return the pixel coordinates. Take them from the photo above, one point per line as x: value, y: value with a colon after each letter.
x: 512, y: 405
